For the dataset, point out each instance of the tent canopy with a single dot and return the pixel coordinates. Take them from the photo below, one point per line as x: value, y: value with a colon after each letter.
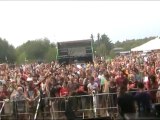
x: 151, y: 45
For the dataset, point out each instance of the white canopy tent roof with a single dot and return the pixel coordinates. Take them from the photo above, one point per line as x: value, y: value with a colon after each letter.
x: 151, y: 45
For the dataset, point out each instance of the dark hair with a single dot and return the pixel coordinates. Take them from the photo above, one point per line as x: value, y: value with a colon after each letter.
x: 152, y: 78
x: 91, y: 78
x: 123, y: 89
x: 106, y: 74
x: 125, y: 81
x: 140, y: 85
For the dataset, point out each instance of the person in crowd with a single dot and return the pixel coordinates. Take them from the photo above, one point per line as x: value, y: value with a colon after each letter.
x: 102, y: 80
x: 20, y: 104
x: 119, y: 78
x: 113, y: 91
x: 145, y: 78
x: 126, y: 102
x: 4, y: 94
x: 81, y: 87
x: 92, y: 86
x: 158, y: 92
x: 121, y: 67
x: 96, y: 79
x: 32, y: 95
x: 152, y: 85
x: 64, y: 91
x: 143, y: 99
x: 93, y: 90
x: 81, y: 91
x: 54, y: 87
x: 105, y: 98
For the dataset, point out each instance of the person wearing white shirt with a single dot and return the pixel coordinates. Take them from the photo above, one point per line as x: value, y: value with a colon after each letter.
x: 92, y: 86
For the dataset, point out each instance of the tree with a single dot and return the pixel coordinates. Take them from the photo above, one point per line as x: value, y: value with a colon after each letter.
x: 98, y: 38
x: 51, y: 54
x: 103, y: 45
x: 101, y: 50
x: 21, y: 58
x: 7, y: 52
x: 92, y: 37
x: 36, y: 50
x: 108, y: 44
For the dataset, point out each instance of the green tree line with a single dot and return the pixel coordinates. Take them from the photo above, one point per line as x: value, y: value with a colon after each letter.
x: 7, y: 52
x: 44, y: 50
x: 31, y: 51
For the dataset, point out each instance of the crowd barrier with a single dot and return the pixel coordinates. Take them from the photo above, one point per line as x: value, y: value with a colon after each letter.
x: 59, y: 108
x: 18, y: 110
x: 82, y: 106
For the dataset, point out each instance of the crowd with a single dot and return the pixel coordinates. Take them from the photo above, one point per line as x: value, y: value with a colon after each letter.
x: 133, y: 72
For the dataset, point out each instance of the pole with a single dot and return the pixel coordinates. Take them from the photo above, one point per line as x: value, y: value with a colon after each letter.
x: 35, y: 116
x: 2, y: 109
x: 94, y: 104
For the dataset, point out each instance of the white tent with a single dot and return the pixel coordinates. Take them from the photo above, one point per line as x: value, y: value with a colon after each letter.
x: 151, y: 45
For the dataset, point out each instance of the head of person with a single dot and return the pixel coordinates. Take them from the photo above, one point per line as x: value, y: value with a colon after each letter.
x: 140, y: 86
x: 152, y: 79
x: 106, y: 75
x: 64, y: 84
x: 20, y: 90
x: 29, y: 81
x: 81, y: 81
x: 91, y: 79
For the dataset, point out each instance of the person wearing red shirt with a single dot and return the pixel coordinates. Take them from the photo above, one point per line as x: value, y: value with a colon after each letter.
x: 64, y: 91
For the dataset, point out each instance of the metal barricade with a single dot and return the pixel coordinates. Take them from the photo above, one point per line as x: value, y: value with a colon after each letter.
x: 86, y: 106
x: 81, y: 106
x: 59, y: 108
x: 37, y: 108
x: 107, y: 105
x: 2, y: 103
x: 17, y: 110
x: 7, y: 109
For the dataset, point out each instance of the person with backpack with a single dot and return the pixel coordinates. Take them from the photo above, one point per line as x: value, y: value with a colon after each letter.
x: 32, y: 94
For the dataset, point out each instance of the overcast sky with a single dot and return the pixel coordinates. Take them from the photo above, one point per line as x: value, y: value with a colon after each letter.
x: 69, y: 20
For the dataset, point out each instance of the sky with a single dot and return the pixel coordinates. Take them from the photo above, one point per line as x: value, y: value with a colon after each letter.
x: 21, y: 21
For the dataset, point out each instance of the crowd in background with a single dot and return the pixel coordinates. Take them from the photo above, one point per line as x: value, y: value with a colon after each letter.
x: 133, y: 72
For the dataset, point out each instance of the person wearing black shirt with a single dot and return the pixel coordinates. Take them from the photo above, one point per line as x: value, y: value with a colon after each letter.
x: 126, y: 102
x: 143, y: 99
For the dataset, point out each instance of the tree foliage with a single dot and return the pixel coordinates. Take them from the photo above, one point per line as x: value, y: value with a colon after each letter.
x: 7, y: 52
x: 36, y: 50
x: 103, y: 45
x: 43, y: 50
x: 51, y: 54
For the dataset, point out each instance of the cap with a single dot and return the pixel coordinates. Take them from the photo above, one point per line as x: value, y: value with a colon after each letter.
x: 79, y: 66
x: 29, y: 79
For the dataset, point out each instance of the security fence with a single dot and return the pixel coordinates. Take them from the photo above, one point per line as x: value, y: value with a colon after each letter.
x: 84, y: 106
x: 61, y: 108
x: 17, y: 110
